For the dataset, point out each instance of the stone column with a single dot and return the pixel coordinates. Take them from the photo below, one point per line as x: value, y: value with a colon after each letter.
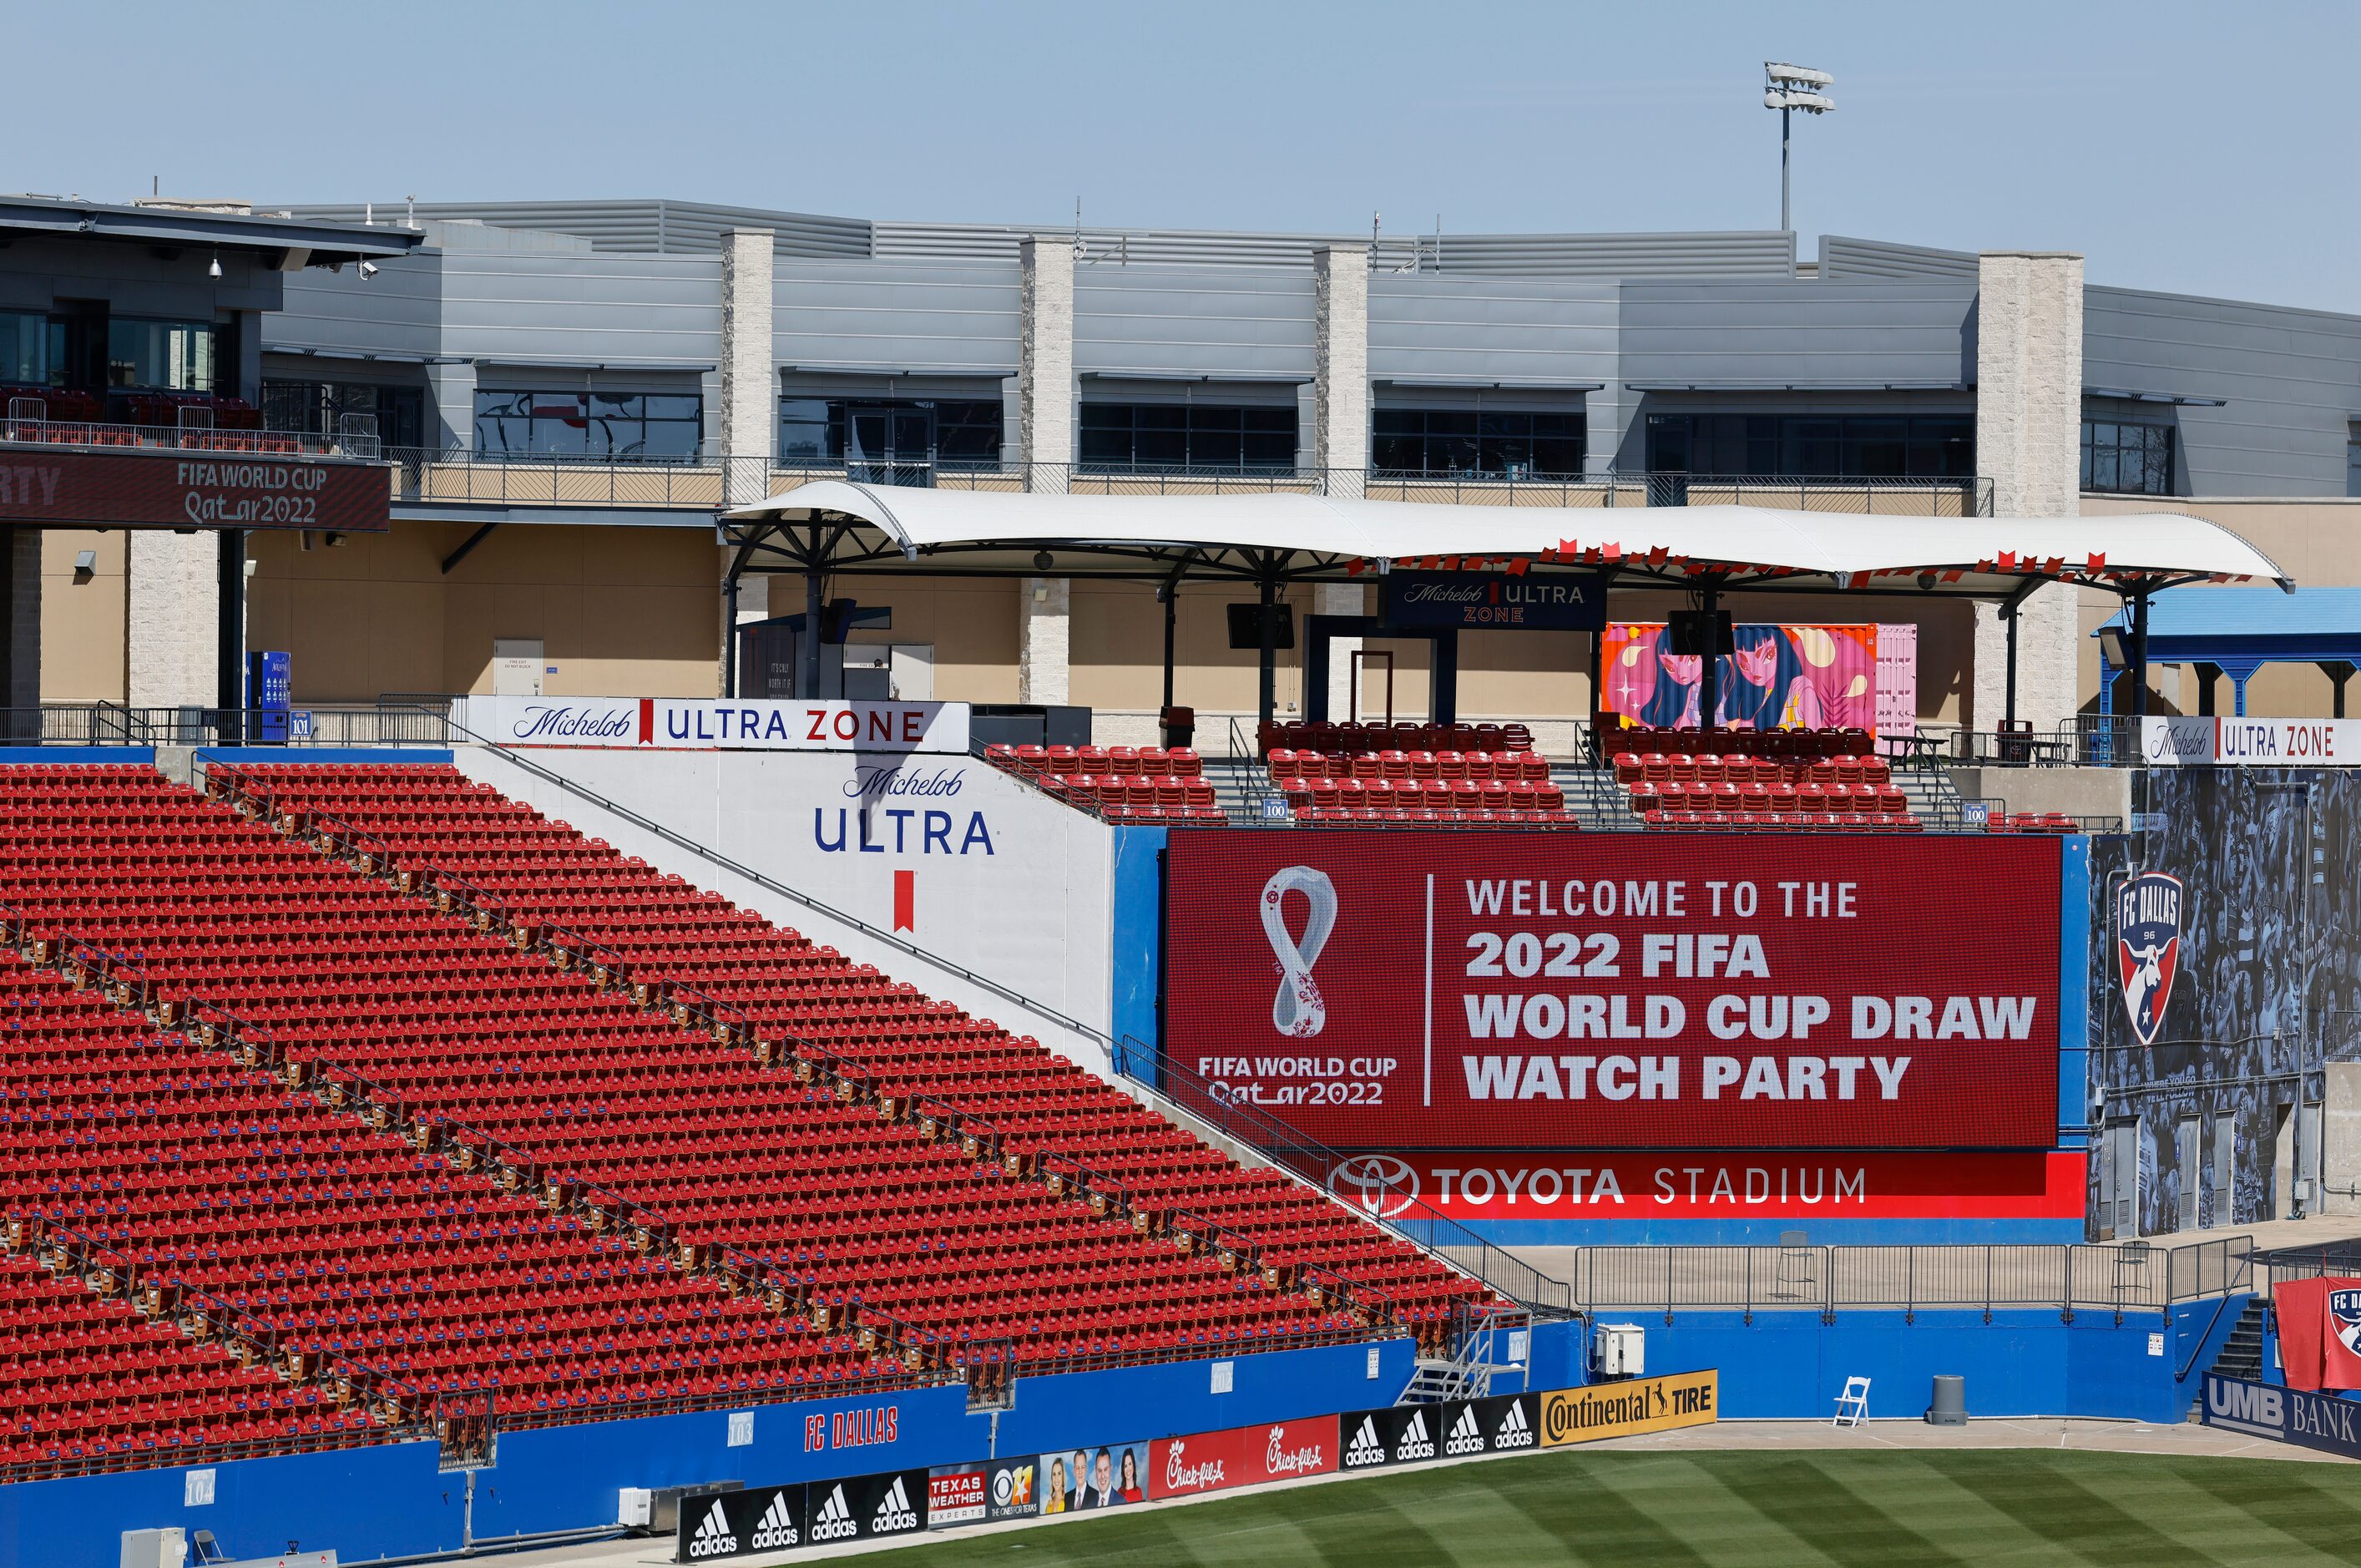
x: 1045, y: 362
x: 2028, y: 442
x: 750, y: 383
x: 1340, y: 599
x: 1340, y: 359
x: 1044, y: 607
x: 171, y: 619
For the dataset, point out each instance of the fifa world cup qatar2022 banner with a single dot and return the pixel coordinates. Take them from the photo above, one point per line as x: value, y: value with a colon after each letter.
x: 1589, y: 991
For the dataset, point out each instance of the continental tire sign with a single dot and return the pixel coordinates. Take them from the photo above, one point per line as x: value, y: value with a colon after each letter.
x: 1627, y: 1410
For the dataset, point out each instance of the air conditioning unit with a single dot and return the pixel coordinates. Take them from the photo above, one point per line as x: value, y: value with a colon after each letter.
x: 656, y: 1510
x: 1618, y: 1350
x: 167, y: 1548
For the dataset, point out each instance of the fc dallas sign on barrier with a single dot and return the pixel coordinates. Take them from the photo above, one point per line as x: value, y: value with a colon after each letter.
x: 1592, y: 991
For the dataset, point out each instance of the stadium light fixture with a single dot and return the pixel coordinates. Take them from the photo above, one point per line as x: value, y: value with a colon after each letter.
x: 1788, y: 88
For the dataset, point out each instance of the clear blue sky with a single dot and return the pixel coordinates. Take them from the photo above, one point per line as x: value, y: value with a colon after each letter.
x: 2201, y: 147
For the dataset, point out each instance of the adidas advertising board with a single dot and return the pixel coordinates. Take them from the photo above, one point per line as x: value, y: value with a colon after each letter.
x: 862, y: 1507
x: 719, y: 1525
x: 1625, y: 1410
x: 1398, y: 1434
x: 1506, y: 1423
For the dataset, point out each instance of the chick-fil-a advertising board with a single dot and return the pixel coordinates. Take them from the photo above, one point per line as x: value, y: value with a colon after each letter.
x: 1242, y: 1456
x: 1383, y: 989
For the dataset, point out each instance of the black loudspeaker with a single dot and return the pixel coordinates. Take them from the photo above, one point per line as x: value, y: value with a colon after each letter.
x: 1685, y: 632
x: 1245, y: 626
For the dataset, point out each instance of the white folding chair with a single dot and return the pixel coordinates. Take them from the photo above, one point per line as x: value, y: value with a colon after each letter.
x: 1852, y: 1405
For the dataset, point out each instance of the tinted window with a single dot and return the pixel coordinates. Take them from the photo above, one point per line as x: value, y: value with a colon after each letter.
x: 1166, y: 438
x: 1467, y: 444
x: 615, y: 427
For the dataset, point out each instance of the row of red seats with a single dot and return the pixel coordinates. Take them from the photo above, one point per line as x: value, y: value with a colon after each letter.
x: 2030, y: 822
x: 1348, y: 737
x: 1779, y: 744
x: 1420, y: 794
x: 1674, y: 795
x: 1783, y: 822
x: 1449, y: 766
x: 1708, y: 767
x: 1098, y: 762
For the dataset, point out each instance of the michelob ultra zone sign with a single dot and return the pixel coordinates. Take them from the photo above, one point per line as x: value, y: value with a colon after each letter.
x: 1397, y: 990
x: 719, y: 724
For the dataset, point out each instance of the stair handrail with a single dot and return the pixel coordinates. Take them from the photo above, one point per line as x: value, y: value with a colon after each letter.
x: 1187, y: 1226
x: 1279, y: 1140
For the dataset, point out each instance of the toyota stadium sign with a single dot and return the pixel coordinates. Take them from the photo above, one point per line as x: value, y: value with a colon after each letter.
x: 1585, y: 991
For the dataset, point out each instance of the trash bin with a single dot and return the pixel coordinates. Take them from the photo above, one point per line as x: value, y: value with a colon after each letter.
x: 1950, y: 1406
x: 1180, y: 727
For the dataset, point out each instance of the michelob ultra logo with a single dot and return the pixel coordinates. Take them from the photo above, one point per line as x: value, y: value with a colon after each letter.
x: 1625, y: 1410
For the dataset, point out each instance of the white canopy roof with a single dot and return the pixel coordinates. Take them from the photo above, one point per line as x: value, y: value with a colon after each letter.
x: 1980, y: 556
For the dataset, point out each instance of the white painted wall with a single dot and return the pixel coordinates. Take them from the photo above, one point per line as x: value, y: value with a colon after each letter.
x: 1008, y: 884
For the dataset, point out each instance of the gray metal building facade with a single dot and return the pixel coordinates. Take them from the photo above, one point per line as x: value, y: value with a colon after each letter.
x: 627, y: 297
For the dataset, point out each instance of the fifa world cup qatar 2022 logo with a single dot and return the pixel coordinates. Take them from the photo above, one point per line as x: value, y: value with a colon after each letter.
x: 1298, y: 1010
x: 2147, y: 948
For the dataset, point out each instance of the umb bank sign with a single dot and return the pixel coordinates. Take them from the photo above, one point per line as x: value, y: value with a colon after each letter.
x: 2284, y: 1415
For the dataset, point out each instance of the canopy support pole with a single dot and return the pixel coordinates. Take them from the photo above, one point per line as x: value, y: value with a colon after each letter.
x: 1709, y: 666
x: 808, y: 642
x: 2338, y: 672
x: 2139, y: 652
x: 1267, y: 696
x: 2008, y: 609
x: 1171, y: 595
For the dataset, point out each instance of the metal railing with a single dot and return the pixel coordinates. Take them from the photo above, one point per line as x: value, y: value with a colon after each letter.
x: 1988, y: 1278
x: 1362, y: 1189
x: 313, y: 724
x: 32, y: 430
x: 711, y: 481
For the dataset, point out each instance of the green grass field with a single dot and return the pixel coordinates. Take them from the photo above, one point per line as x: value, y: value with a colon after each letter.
x: 1860, y: 1509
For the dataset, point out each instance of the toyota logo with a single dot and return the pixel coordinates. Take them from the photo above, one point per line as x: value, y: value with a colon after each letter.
x: 1382, y: 1185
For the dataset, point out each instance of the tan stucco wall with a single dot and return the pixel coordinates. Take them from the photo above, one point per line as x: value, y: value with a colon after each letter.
x: 81, y: 624
x: 618, y: 610
x: 2317, y: 540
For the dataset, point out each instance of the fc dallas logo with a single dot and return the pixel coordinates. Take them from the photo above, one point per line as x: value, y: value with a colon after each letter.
x: 2147, y: 949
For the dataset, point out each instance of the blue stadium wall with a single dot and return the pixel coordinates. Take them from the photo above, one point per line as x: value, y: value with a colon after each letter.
x: 394, y: 1501
x: 2055, y: 1215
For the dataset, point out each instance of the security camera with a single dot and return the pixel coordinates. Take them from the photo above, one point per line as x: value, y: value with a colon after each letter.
x: 1043, y: 560
x: 369, y: 270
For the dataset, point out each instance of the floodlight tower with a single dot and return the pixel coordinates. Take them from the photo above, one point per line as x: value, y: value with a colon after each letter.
x: 1788, y: 88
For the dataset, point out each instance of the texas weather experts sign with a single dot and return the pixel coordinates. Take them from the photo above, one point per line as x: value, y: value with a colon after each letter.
x: 1557, y: 602
x: 2251, y: 742
x: 720, y: 724
x: 1388, y: 990
x: 176, y: 489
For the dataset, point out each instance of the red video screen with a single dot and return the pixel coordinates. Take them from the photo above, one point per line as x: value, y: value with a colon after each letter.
x: 1384, y: 990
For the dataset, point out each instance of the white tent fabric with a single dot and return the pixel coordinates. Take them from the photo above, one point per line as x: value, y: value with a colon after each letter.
x: 1989, y: 555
